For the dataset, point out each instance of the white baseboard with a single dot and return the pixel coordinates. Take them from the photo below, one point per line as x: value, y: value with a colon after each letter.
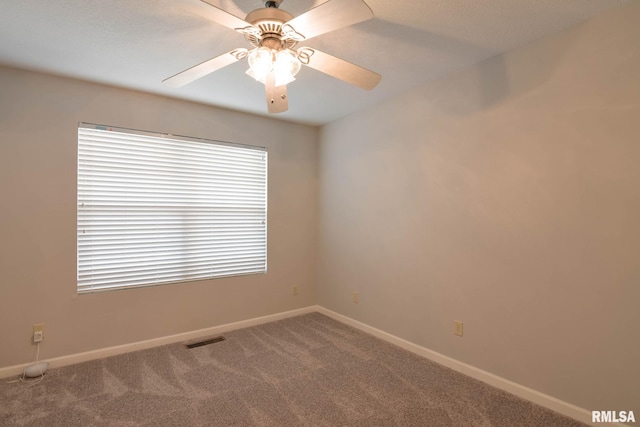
x: 71, y: 359
x: 564, y: 408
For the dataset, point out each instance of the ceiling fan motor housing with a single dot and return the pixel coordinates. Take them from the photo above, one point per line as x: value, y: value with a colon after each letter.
x: 269, y: 21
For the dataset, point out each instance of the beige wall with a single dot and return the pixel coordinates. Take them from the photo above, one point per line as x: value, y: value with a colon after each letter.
x: 508, y: 197
x: 39, y: 115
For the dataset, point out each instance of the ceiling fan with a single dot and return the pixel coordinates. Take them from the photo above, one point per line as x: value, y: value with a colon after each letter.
x: 274, y: 33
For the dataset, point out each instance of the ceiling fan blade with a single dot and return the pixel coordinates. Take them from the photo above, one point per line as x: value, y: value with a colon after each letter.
x: 204, y: 68
x: 327, y: 17
x: 277, y: 101
x: 222, y: 17
x: 339, y: 68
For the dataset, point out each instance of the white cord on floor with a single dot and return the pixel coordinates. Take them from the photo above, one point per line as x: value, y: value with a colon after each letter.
x: 23, y: 378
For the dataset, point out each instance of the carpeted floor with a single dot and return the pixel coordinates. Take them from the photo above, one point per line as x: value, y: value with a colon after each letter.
x: 305, y: 371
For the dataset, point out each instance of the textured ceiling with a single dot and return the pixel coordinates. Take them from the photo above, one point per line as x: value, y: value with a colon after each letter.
x: 137, y: 44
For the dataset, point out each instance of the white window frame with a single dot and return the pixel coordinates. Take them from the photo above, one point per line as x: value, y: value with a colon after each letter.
x: 158, y: 209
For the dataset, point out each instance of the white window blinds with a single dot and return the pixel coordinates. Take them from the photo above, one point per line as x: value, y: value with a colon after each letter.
x: 155, y: 209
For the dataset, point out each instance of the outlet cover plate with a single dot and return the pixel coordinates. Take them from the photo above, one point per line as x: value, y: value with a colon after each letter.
x: 38, y: 327
x: 458, y: 328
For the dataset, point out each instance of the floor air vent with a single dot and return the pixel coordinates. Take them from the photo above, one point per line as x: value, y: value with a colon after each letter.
x: 205, y: 342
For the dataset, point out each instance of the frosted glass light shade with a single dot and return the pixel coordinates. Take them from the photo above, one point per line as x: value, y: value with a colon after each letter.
x: 260, y: 63
x: 285, y: 67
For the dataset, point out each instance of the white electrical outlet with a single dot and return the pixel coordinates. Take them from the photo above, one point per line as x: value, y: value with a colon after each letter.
x: 38, y: 332
x: 356, y: 297
x: 457, y: 328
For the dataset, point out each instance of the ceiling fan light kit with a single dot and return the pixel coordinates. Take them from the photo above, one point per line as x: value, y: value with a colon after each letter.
x: 274, y: 33
x: 282, y: 63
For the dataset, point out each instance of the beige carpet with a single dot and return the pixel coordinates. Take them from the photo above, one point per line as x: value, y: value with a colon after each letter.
x: 304, y: 371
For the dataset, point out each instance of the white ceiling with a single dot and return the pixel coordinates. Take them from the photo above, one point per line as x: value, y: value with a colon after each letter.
x: 137, y: 44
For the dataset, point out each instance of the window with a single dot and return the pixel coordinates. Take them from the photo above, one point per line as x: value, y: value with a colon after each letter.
x: 155, y: 209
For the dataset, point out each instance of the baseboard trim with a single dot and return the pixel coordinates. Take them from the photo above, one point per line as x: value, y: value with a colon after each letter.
x: 71, y: 359
x: 564, y: 408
